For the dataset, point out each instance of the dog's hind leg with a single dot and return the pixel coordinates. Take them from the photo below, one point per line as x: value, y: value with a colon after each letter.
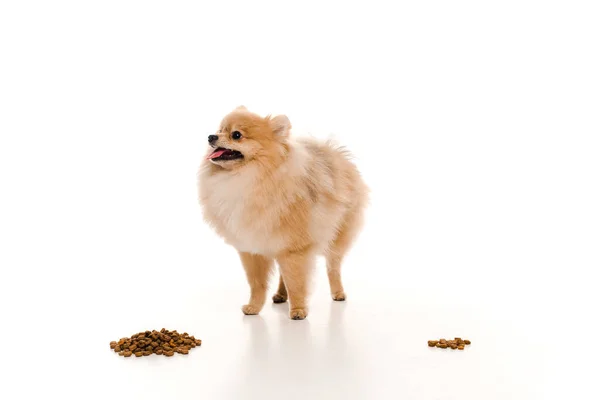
x: 281, y: 295
x: 338, y: 249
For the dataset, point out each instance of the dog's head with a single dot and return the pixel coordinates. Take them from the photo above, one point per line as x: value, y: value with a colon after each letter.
x: 244, y: 137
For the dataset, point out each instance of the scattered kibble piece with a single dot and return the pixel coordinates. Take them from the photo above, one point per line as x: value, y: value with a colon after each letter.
x: 456, y: 343
x: 161, y: 342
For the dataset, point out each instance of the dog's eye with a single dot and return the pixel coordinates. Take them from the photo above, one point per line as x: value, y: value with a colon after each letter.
x: 236, y: 135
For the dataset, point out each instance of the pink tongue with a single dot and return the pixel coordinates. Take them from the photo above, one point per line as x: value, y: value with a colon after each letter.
x: 216, y: 154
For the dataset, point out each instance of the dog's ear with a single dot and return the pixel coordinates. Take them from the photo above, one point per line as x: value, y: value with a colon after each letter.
x: 281, y: 125
x: 241, y: 108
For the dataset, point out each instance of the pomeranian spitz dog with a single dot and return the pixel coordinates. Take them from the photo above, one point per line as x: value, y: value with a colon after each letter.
x: 277, y: 198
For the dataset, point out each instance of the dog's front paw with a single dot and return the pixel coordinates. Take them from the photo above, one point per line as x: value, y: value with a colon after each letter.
x: 338, y: 296
x: 279, y: 298
x: 249, y: 309
x: 298, y: 313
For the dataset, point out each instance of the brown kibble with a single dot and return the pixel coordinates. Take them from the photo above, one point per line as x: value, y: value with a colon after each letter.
x: 163, y: 342
x: 456, y: 343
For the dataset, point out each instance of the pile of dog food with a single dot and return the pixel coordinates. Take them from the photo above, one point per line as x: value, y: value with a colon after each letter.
x: 457, y: 343
x: 165, y: 343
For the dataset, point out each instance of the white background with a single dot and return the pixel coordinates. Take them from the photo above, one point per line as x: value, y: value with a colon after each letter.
x: 476, y: 124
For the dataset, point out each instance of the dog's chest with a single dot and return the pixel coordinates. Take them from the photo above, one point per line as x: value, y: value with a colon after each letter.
x: 244, y: 225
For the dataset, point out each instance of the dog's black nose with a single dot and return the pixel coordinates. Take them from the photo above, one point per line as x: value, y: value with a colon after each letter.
x: 212, y: 138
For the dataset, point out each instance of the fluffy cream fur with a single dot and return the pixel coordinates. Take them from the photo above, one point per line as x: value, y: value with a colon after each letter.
x: 286, y: 200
